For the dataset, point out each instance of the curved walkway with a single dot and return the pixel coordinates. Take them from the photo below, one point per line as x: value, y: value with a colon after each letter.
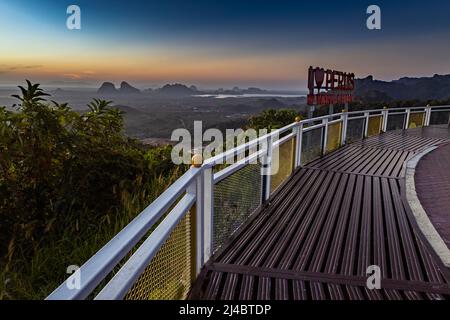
x: 331, y: 221
x: 433, y: 189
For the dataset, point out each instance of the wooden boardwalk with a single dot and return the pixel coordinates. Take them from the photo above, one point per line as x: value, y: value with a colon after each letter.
x: 326, y: 225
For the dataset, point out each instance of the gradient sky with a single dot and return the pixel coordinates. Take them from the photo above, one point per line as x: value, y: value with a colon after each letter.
x: 219, y: 43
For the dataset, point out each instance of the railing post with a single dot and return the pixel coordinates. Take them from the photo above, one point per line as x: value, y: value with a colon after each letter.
x: 366, y: 126
x: 208, y: 211
x: 325, y: 136
x: 298, y: 143
x: 195, y: 257
x: 408, y: 115
x: 344, y: 118
x: 427, y: 116
x: 198, y: 188
x: 385, y: 119
x: 267, y: 169
x: 204, y: 190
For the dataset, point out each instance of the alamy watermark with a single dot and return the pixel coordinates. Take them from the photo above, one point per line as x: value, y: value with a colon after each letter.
x: 213, y: 143
x: 374, y: 280
x: 73, y: 21
x: 374, y: 20
x: 74, y: 281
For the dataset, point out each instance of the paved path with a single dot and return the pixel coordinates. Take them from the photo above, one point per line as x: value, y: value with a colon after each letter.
x: 433, y: 189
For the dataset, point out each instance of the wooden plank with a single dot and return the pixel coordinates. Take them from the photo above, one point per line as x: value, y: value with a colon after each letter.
x: 315, y: 247
x: 365, y: 234
x: 299, y: 290
x: 264, y: 289
x: 412, y: 261
x: 350, y: 254
x: 395, y: 255
x: 280, y: 237
x: 317, y: 291
x: 378, y: 229
x: 212, y: 290
x: 281, y: 289
x: 229, y: 287
x: 337, y: 249
x: 335, y: 292
x: 253, y: 252
x: 310, y: 205
x: 247, y: 288
x: 264, y: 220
x: 331, y: 237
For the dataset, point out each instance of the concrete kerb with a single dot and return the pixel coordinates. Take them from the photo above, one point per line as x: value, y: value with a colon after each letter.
x: 419, y: 213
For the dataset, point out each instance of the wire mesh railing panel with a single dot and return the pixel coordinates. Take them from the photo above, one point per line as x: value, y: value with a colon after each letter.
x: 170, y: 273
x: 416, y: 120
x: 355, y: 130
x: 439, y: 117
x: 235, y: 199
x: 395, y: 122
x: 312, y: 142
x: 374, y: 126
x: 334, y: 136
x: 282, y: 164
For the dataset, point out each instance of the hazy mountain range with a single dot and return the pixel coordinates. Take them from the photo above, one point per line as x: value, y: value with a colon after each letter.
x: 154, y: 113
x: 425, y: 88
x: 176, y: 89
x: 367, y: 89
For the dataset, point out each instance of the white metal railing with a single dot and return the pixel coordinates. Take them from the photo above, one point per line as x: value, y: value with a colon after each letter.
x: 196, y: 189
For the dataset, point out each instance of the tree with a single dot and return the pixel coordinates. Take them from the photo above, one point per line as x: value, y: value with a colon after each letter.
x: 62, y: 170
x: 273, y: 119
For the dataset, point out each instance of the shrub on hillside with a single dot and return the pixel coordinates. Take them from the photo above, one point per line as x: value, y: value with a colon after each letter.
x: 273, y: 119
x: 63, y: 171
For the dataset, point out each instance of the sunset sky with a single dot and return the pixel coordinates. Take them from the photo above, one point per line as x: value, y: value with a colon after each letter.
x: 247, y: 43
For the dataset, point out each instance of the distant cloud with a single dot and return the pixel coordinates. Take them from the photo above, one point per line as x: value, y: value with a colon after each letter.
x: 19, y: 67
x: 81, y: 75
x: 35, y: 66
x: 69, y: 83
x: 6, y: 68
x: 73, y: 76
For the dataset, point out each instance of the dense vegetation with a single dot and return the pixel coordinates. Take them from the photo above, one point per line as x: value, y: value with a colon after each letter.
x: 273, y: 119
x: 68, y: 182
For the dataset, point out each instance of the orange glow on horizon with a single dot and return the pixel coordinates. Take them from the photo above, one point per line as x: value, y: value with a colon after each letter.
x: 212, y: 65
x: 155, y: 68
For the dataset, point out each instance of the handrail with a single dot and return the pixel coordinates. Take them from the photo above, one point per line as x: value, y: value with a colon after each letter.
x: 197, y: 184
x: 101, y: 264
x: 124, y: 279
x: 220, y: 158
x: 222, y: 174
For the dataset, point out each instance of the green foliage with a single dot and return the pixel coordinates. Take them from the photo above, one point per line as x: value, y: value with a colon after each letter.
x: 160, y: 160
x: 68, y: 183
x: 31, y: 96
x: 273, y: 119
